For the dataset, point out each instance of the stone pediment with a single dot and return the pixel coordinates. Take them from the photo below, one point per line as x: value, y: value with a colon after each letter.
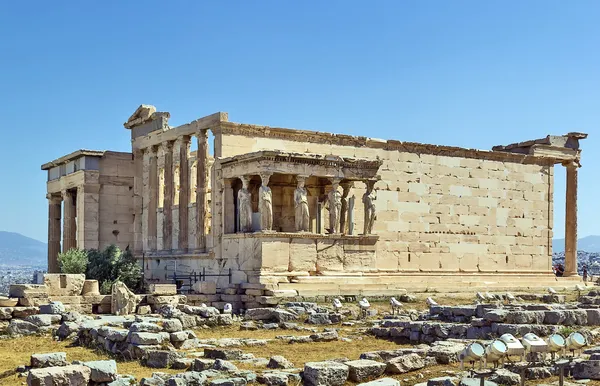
x: 144, y: 114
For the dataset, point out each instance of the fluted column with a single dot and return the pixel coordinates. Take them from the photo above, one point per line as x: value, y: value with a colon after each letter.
x: 54, y: 215
x: 69, y: 224
x: 201, y: 189
x: 168, y: 192
x: 184, y: 198
x: 571, y: 220
x: 152, y: 198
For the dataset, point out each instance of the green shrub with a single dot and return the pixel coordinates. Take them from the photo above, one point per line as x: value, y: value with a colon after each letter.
x: 112, y: 264
x: 566, y: 331
x: 73, y: 261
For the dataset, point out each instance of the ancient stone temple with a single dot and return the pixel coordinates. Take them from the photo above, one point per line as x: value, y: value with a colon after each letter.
x: 316, y: 212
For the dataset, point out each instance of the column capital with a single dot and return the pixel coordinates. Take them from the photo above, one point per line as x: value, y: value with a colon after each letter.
x: 54, y: 197
x: 346, y: 185
x: 202, y: 135
x: 264, y: 177
x: 573, y: 163
x: 65, y: 194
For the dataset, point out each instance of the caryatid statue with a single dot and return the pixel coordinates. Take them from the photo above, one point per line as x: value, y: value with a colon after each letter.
x: 301, y: 205
x: 335, y: 206
x: 344, y: 212
x: 245, y: 206
x: 265, y: 203
x: 369, y: 201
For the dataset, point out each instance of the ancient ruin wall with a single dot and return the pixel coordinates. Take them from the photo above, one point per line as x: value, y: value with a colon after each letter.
x: 115, y: 207
x: 465, y: 211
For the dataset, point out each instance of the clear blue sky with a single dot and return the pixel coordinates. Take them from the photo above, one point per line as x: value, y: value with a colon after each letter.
x: 466, y: 73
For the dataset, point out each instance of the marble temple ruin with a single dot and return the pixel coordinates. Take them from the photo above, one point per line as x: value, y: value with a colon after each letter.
x: 315, y: 212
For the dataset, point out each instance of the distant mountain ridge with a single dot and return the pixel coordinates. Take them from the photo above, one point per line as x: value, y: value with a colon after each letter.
x: 587, y: 244
x: 16, y: 249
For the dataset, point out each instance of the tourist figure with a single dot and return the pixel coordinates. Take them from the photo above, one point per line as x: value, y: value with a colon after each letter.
x: 335, y: 207
x: 369, y: 202
x: 301, y: 205
x: 560, y: 270
x: 265, y: 203
x: 245, y: 206
x: 585, y: 273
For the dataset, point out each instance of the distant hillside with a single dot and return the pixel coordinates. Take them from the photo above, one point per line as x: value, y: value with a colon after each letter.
x: 588, y: 244
x: 16, y: 249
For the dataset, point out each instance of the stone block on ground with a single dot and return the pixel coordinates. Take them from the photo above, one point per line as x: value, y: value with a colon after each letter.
x: 326, y: 373
x: 161, y: 359
x: 63, y: 375
x: 363, y: 370
x: 223, y: 365
x: 102, y: 371
x: 52, y: 308
x: 205, y: 287
x: 587, y: 370
x: 237, y: 381
x: 27, y: 290
x: 162, y: 289
x: 21, y: 327
x: 219, y: 353
x: 145, y: 338
x: 279, y: 362
x: 202, y: 364
x: 405, y: 363
x: 48, y: 360
x: 505, y: 377
x: 44, y: 320
x: 381, y: 382
x: 62, y: 284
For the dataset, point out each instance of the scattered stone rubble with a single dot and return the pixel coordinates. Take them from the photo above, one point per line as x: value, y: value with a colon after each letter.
x: 161, y: 335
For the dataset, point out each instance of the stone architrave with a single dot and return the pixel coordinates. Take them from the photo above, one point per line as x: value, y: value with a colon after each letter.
x: 344, y: 208
x: 265, y: 203
x: 302, y: 215
x: 123, y: 301
x: 335, y: 206
x: 245, y: 206
x: 370, y: 211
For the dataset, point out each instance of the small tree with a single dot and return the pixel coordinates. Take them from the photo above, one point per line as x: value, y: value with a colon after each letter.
x: 112, y: 264
x: 73, y: 261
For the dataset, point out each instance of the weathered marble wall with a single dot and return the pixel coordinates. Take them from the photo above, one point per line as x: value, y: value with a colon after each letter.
x: 441, y: 213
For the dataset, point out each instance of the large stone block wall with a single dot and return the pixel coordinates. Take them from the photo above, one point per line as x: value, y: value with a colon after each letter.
x: 445, y: 213
x: 115, y: 214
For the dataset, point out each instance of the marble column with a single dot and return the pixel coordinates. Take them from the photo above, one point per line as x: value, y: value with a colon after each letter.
x: 201, y: 190
x: 571, y: 220
x: 54, y: 215
x: 184, y: 198
x: 152, y: 198
x: 69, y: 224
x: 344, y: 211
x: 168, y: 197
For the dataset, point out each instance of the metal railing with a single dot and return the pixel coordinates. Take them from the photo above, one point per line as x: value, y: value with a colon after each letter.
x: 188, y: 280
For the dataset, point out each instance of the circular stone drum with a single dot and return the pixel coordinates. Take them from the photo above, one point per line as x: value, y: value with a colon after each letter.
x: 90, y: 287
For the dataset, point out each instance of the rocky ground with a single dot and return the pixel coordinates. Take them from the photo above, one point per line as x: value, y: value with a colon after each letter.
x: 296, y: 343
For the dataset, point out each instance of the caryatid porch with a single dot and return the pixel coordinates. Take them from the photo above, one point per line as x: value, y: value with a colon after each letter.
x: 288, y: 214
